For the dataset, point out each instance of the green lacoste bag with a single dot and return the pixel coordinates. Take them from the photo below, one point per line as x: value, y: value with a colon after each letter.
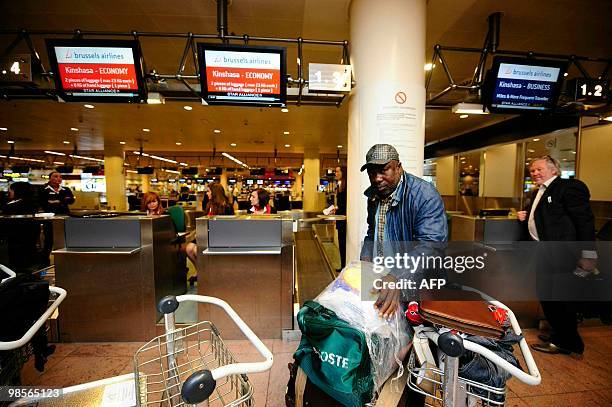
x: 334, y: 355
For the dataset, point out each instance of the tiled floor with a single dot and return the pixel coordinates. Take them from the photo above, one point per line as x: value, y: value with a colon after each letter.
x: 566, y: 380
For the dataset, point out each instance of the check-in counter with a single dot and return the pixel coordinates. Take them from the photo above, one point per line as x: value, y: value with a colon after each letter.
x: 486, y: 230
x: 247, y: 261
x: 115, y: 270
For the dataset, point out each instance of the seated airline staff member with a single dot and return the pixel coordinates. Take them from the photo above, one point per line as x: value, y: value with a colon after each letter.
x: 260, y: 199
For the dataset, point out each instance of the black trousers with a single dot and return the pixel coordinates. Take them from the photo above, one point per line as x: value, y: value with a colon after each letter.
x: 561, y: 315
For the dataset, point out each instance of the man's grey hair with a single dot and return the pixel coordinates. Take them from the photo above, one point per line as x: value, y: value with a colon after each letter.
x: 551, y: 162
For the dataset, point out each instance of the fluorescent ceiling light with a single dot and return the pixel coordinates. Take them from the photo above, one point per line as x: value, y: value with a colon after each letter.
x: 339, y: 146
x: 58, y: 162
x: 53, y: 152
x: 233, y: 144
x: 89, y: 106
x: 132, y: 171
x: 285, y: 133
x: 3, y: 128
x: 172, y: 171
x: 178, y: 143
x: 146, y: 130
x: 234, y: 159
x: 34, y: 160
x: 66, y: 142
x: 74, y: 129
x: 10, y: 141
x: 536, y: 139
x: 155, y: 98
x: 216, y: 131
x: 287, y: 145
x: 122, y: 142
x: 184, y: 164
x: 469, y: 108
x: 87, y: 158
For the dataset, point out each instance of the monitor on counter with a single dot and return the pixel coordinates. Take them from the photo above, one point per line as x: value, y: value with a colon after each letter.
x: 243, y: 75
x: 97, y: 70
x: 520, y: 85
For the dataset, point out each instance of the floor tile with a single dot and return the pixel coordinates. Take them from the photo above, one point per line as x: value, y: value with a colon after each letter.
x: 279, y: 375
x: 582, y: 399
x: 107, y: 349
x: 73, y: 370
x: 282, y: 346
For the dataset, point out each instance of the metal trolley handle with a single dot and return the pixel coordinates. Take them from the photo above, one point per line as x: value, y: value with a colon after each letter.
x: 200, y: 385
x: 532, y: 378
x: 39, y: 322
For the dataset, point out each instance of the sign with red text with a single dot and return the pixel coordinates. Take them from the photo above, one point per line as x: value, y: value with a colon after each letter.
x: 99, y: 70
x: 242, y: 75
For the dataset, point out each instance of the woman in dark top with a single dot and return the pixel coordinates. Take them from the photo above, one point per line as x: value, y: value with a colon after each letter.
x: 20, y: 200
x: 218, y: 203
x: 341, y: 210
x: 260, y: 199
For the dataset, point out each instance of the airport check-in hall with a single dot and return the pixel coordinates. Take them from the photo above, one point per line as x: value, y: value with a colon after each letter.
x: 305, y: 203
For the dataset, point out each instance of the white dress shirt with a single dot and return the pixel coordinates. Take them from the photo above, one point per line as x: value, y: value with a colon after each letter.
x: 533, y: 231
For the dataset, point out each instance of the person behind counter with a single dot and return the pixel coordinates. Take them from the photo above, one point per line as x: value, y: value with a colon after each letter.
x: 218, y: 204
x: 260, y: 199
x: 151, y: 204
x: 54, y: 197
x: 20, y: 200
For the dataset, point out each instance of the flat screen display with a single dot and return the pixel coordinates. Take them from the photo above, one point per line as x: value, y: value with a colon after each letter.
x: 523, y: 85
x: 242, y: 75
x: 97, y: 70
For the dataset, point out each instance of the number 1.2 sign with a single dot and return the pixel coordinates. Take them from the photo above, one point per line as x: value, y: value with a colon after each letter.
x: 591, y: 90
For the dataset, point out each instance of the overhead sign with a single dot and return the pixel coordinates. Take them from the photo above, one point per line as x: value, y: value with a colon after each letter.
x: 98, y: 70
x: 329, y: 77
x: 590, y: 90
x: 232, y: 74
x: 523, y: 84
x: 16, y: 69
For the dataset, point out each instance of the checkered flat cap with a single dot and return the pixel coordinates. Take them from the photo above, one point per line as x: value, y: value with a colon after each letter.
x: 380, y: 154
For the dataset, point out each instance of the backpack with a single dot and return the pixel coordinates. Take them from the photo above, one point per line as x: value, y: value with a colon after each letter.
x: 334, y: 355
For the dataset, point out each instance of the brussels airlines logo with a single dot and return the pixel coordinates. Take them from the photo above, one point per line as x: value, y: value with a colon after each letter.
x: 68, y: 55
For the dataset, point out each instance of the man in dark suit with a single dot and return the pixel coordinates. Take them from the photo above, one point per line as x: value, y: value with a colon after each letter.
x: 559, y: 212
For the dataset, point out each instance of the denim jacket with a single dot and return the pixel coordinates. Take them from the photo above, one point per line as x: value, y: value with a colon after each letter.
x: 416, y: 214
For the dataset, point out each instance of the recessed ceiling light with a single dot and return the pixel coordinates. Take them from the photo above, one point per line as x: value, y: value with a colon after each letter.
x: 3, y: 128
x: 339, y: 145
x: 565, y: 74
x: 178, y: 143
x: 89, y: 106
x: 536, y: 139
x: 464, y: 116
x: 233, y: 144
x: 216, y: 131
x: 573, y: 152
x: 122, y: 142
x: 146, y: 130
x: 66, y: 142
x: 74, y: 129
x: 284, y: 110
x: 187, y: 107
x: 10, y: 141
x: 285, y: 133
x: 287, y: 145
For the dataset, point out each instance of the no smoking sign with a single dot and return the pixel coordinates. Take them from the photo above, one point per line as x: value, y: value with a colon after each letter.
x: 400, y: 98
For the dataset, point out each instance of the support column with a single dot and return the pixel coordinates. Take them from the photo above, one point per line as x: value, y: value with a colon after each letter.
x: 296, y: 190
x: 115, y: 177
x: 145, y: 183
x: 388, y: 104
x: 311, y: 177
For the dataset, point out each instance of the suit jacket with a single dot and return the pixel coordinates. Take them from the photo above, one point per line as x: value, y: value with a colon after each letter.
x: 564, y: 212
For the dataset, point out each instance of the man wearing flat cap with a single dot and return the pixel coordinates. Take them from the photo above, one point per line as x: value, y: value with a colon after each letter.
x: 401, y: 208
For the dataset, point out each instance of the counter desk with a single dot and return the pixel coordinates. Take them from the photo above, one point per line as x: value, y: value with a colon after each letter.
x: 248, y: 261
x: 115, y: 270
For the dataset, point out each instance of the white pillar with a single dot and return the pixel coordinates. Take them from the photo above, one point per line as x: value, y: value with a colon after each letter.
x: 115, y: 177
x: 388, y: 103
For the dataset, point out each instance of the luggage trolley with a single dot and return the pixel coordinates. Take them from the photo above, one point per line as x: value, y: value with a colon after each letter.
x: 444, y: 387
x: 183, y: 366
x: 17, y: 352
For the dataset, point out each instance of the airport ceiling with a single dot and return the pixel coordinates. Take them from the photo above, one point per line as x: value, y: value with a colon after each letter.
x: 560, y: 26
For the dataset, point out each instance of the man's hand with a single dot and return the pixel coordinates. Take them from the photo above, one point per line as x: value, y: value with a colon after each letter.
x: 388, y: 299
x: 587, y: 264
x: 522, y: 215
